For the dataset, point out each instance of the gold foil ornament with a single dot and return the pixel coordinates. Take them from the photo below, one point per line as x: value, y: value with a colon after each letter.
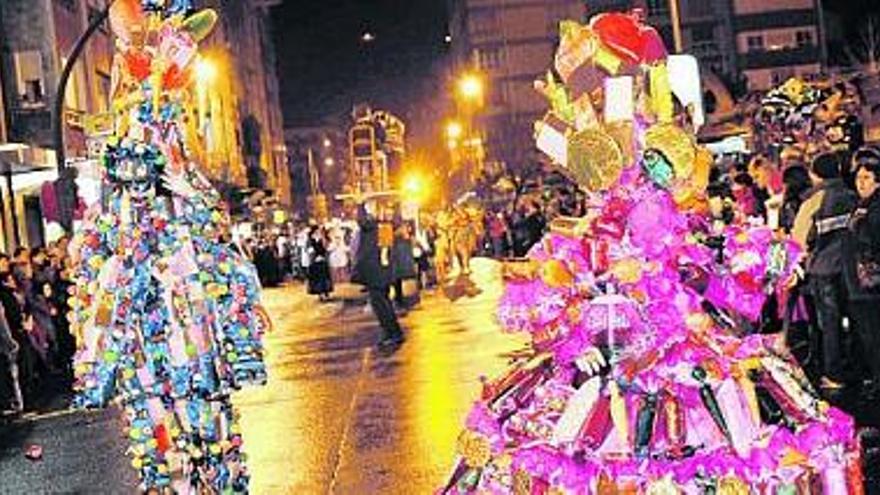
x: 732, y: 485
x: 556, y: 274
x: 577, y: 46
x: 594, y: 159
x: 676, y: 145
x: 474, y: 448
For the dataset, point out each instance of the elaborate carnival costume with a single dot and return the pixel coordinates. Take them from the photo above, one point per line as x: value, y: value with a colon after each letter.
x: 166, y: 314
x: 638, y: 382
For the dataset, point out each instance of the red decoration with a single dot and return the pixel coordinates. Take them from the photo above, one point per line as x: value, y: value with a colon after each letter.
x: 138, y: 64
x: 163, y: 439
x: 628, y: 37
x: 174, y: 78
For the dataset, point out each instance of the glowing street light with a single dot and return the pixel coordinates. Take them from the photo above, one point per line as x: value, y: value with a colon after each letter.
x: 454, y: 130
x: 329, y: 161
x: 414, y: 187
x: 368, y: 37
x: 327, y: 142
x: 470, y: 87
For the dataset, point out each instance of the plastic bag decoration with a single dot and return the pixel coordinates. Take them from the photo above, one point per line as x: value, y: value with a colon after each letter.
x: 166, y: 314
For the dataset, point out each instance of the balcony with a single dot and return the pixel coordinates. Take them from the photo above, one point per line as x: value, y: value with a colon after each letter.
x: 779, y: 58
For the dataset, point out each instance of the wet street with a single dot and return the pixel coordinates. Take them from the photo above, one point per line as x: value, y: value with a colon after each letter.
x: 337, y: 416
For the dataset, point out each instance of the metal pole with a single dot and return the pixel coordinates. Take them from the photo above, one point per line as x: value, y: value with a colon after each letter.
x: 16, y: 239
x: 823, y: 43
x: 58, y: 120
x: 675, y: 17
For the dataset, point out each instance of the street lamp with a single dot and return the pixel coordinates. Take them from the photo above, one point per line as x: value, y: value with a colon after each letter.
x: 66, y: 184
x: 329, y: 161
x: 368, y: 37
x: 470, y: 87
x: 454, y: 130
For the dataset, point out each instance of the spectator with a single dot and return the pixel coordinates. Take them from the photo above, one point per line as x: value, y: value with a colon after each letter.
x: 863, y: 262
x: 320, y: 282
x: 820, y: 228
x: 403, y: 265
x: 340, y: 254
x: 796, y: 183
x: 498, y: 235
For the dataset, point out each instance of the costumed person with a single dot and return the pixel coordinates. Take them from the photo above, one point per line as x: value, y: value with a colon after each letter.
x: 637, y: 381
x: 167, y: 317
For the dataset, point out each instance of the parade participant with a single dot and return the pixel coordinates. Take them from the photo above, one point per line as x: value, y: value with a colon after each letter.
x: 167, y: 316
x: 636, y: 381
x: 319, y: 278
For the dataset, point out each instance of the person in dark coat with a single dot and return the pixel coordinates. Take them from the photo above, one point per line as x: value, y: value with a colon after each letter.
x: 403, y: 263
x: 320, y: 281
x: 862, y: 264
x: 372, y: 269
x: 820, y: 226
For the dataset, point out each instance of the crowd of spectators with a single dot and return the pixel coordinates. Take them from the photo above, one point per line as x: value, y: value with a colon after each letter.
x: 36, y: 346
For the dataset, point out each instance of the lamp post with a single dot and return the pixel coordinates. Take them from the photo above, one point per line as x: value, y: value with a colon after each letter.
x: 67, y: 194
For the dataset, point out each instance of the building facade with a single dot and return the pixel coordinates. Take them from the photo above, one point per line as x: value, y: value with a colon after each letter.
x: 318, y: 163
x: 776, y: 40
x: 250, y: 135
x: 510, y: 43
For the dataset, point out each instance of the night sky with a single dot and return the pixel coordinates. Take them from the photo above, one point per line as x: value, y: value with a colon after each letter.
x: 325, y: 67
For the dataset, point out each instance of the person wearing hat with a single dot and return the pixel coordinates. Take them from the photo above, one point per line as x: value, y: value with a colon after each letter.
x: 820, y: 229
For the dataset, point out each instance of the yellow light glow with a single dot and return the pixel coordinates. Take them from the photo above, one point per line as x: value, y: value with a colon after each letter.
x: 454, y: 130
x: 327, y: 143
x: 206, y: 70
x: 470, y: 87
x: 329, y: 161
x: 414, y: 187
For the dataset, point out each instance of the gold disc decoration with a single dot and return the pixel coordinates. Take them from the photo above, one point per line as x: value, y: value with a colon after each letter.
x: 594, y: 159
x: 676, y: 145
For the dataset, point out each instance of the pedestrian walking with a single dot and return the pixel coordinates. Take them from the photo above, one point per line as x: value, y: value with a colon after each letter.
x: 372, y: 269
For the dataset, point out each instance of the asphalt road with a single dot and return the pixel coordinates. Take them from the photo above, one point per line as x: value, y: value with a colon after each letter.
x: 337, y: 416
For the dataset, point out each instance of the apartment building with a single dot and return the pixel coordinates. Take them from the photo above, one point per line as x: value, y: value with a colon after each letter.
x: 510, y: 43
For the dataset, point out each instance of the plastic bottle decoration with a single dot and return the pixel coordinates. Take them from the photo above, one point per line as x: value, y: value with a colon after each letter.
x: 167, y: 316
x: 711, y: 402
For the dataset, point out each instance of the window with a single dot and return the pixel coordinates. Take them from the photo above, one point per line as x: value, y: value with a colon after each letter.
x: 755, y: 43
x: 804, y: 38
x: 490, y: 58
x: 29, y: 77
x: 104, y: 82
